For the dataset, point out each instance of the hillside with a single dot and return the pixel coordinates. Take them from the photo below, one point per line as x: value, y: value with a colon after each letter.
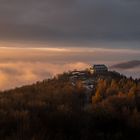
x: 102, y: 106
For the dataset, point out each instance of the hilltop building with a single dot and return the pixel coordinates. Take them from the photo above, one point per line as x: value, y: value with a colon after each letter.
x: 98, y: 69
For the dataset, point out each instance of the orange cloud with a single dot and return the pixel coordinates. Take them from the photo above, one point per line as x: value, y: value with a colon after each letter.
x: 20, y: 73
x: 20, y: 65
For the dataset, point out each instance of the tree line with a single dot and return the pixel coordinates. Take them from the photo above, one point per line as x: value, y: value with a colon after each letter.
x: 54, y: 109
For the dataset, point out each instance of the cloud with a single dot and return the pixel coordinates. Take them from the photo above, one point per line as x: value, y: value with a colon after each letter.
x: 127, y: 65
x: 20, y: 66
x: 21, y: 73
x: 64, y: 55
x: 70, y: 21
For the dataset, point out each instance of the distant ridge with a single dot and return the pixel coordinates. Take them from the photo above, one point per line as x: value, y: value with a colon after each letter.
x: 127, y: 65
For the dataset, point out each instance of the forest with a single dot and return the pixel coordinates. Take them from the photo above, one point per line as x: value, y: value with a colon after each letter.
x: 54, y: 109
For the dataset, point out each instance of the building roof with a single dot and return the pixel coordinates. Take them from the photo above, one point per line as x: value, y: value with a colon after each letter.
x: 99, y: 66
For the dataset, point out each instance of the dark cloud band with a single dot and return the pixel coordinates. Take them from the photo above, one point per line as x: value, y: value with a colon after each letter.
x: 70, y: 21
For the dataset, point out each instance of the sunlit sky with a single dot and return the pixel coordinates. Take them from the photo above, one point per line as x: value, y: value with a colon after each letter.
x: 41, y: 38
x: 25, y: 65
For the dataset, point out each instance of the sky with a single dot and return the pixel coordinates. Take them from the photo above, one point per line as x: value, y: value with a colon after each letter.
x: 41, y: 38
x: 74, y: 21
